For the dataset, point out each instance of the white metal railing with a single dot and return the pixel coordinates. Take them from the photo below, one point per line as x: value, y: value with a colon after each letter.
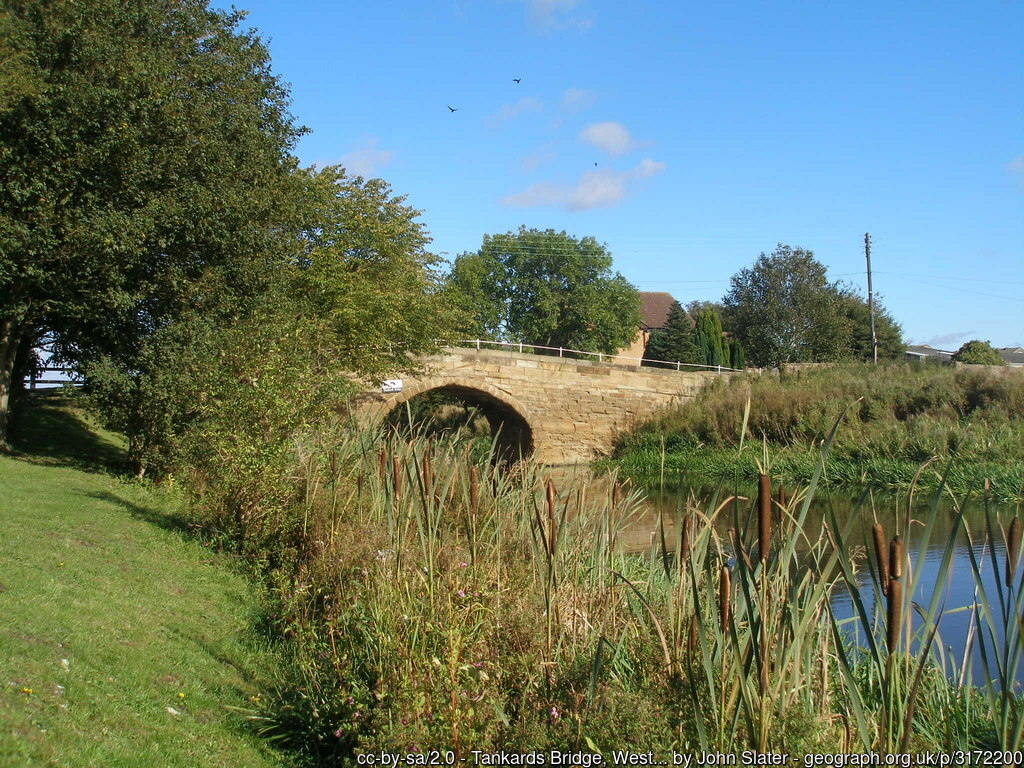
x: 601, y: 356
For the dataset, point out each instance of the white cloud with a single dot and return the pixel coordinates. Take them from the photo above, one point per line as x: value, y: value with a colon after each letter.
x: 364, y: 160
x: 508, y: 111
x: 543, y: 154
x: 557, y: 14
x: 577, y: 99
x: 612, y: 138
x: 949, y: 338
x: 540, y: 193
x: 649, y: 168
x: 596, y: 189
x: 593, y: 189
x: 1016, y: 167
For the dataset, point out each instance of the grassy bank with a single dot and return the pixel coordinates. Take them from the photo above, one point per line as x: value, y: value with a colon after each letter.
x: 122, y: 643
x: 902, y: 416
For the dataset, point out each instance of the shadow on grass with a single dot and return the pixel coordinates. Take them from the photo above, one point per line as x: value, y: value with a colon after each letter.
x: 169, y: 521
x: 51, y: 429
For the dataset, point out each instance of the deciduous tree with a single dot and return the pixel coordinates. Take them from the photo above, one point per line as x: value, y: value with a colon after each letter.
x: 784, y: 310
x: 888, y: 333
x: 145, y: 153
x: 547, y: 288
x: 977, y: 352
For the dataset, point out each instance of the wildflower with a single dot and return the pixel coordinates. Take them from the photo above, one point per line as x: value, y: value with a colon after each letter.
x: 554, y: 714
x: 478, y: 664
x: 463, y: 564
x: 27, y: 691
x: 461, y: 593
x: 356, y: 715
x: 337, y: 733
x: 60, y: 565
x: 181, y: 695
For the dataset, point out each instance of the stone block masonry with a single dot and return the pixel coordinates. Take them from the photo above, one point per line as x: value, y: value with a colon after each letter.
x: 573, y: 408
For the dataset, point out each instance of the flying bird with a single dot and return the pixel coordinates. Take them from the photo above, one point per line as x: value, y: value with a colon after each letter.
x: 453, y: 109
x: 516, y: 79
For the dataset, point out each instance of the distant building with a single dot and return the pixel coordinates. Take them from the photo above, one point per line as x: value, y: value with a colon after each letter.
x: 654, y: 307
x: 924, y: 353
x: 1014, y: 356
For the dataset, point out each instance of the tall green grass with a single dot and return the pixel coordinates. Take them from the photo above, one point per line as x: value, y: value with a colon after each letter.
x: 905, y: 415
x: 431, y: 600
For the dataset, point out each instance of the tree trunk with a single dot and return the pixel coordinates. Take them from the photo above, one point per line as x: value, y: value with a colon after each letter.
x: 10, y: 337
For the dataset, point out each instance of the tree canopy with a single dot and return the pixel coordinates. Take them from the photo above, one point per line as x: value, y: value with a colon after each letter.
x: 784, y: 310
x: 547, y: 288
x: 977, y: 352
x: 145, y: 152
x: 888, y: 333
x: 357, y: 291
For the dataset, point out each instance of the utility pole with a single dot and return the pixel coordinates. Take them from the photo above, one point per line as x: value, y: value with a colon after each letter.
x: 871, y: 301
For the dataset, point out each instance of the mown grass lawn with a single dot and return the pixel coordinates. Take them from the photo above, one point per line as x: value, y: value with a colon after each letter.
x: 122, y: 643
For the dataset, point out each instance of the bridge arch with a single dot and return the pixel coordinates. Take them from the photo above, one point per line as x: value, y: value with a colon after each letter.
x: 514, y: 425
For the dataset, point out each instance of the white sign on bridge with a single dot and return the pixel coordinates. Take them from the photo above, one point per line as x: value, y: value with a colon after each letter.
x: 389, y: 386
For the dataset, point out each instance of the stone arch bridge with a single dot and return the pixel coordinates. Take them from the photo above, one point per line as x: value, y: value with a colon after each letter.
x: 564, y: 411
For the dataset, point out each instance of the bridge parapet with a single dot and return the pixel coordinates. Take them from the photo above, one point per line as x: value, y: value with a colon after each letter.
x: 573, y: 408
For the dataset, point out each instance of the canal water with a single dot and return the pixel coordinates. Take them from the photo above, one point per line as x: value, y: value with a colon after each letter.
x: 958, y: 586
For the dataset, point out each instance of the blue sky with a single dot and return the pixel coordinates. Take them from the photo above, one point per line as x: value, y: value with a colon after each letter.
x: 717, y: 129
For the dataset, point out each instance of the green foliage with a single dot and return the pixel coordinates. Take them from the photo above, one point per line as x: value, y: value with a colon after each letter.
x: 546, y: 288
x: 145, y: 151
x: 908, y: 414
x: 674, y: 342
x: 737, y: 356
x: 711, y: 345
x: 977, y: 352
x: 784, y: 310
x: 888, y: 334
x: 428, y: 600
x: 358, y: 295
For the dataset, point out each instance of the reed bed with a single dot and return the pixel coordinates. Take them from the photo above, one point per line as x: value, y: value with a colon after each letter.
x: 904, y: 416
x: 428, y: 599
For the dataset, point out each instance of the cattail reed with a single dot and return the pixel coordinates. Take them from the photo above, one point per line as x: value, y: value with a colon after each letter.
x: 894, y: 598
x: 334, y: 466
x: 397, y: 476
x: 894, y: 605
x: 764, y: 516
x: 880, y: 557
x: 692, y: 640
x: 359, y: 483
x: 724, y: 594
x: 616, y: 493
x: 896, y: 557
x: 1012, y: 550
x: 427, y: 476
x: 381, y: 464
x: 684, y: 538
